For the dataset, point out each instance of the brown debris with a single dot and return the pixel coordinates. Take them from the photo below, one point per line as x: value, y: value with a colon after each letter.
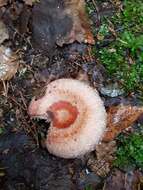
x: 8, y: 63
x: 104, y: 158
x: 81, y: 29
x: 119, y: 118
x: 118, y: 180
x: 28, y: 2
x: 60, y: 22
x: 83, y: 76
x: 24, y: 20
x: 11, y: 16
x: 3, y: 32
x: 3, y: 2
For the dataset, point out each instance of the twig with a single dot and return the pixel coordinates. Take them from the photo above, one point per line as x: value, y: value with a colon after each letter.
x: 23, y: 99
x: 5, y: 86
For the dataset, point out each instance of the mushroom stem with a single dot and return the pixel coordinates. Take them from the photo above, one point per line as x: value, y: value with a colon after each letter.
x: 63, y: 114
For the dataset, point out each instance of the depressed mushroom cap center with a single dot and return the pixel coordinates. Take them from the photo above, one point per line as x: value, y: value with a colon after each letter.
x: 64, y: 114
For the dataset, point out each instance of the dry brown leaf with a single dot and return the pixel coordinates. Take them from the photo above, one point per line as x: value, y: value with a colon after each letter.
x: 8, y: 63
x: 56, y: 22
x: 81, y: 29
x: 105, y: 156
x: 119, y: 118
x: 3, y: 2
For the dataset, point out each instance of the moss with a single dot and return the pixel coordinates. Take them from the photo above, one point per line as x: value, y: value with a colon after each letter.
x: 130, y: 151
x: 89, y: 187
x: 132, y: 16
x: 89, y: 8
x: 1, y: 130
x: 123, y: 57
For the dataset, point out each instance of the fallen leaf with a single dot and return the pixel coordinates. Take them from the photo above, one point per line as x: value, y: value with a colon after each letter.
x: 119, y: 118
x: 102, y: 164
x: 81, y: 31
x: 3, y: 2
x: 16, y: 18
x: 8, y: 63
x: 60, y: 22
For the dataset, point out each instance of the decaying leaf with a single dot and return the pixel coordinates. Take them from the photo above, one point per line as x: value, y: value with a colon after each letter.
x: 60, y: 22
x: 81, y: 31
x: 104, y: 157
x: 3, y: 2
x: 8, y: 63
x: 119, y: 118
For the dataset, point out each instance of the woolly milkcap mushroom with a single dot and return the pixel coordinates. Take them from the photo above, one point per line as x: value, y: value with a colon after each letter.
x: 77, y: 114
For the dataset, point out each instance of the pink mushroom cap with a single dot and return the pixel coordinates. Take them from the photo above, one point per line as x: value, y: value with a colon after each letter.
x: 77, y: 115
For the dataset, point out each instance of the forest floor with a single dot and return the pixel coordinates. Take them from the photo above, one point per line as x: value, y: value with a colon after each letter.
x: 114, y: 65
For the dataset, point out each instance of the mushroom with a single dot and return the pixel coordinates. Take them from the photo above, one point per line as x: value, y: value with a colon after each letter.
x: 77, y: 115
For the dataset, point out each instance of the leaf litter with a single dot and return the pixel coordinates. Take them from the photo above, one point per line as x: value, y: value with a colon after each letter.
x: 67, y: 61
x: 120, y: 118
x: 60, y: 22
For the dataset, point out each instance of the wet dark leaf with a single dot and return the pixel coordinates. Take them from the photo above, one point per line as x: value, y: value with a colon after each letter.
x: 60, y: 22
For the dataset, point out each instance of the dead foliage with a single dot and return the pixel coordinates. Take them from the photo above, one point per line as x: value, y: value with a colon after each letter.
x: 3, y: 3
x: 119, y: 118
x: 56, y: 22
x: 104, y: 158
x: 8, y: 63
